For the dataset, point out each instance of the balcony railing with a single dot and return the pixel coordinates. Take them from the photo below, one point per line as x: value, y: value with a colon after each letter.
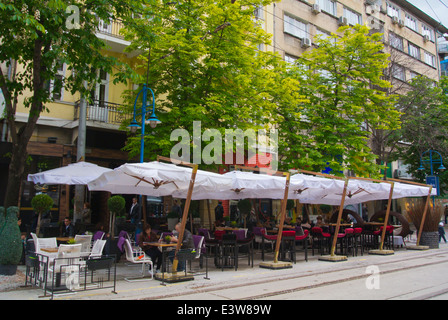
x: 111, y: 28
x: 104, y: 112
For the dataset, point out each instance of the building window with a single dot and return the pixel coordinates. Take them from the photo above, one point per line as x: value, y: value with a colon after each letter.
x: 290, y: 59
x: 327, y: 6
x: 398, y: 72
x: 427, y: 31
x: 393, y: 11
x: 413, y: 75
x: 295, y: 27
x: 259, y: 12
x: 352, y: 16
x: 411, y: 22
x: 396, y: 41
x: 414, y: 51
x: 324, y: 35
x: 430, y: 59
x: 56, y: 86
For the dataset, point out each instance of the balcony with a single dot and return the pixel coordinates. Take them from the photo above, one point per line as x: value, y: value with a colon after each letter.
x: 110, y: 32
x: 111, y: 28
x: 104, y: 113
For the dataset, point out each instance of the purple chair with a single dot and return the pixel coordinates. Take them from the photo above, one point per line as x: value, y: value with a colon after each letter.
x: 98, y: 236
x: 204, y: 232
x: 240, y: 234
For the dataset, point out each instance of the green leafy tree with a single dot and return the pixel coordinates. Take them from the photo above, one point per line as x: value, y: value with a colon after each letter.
x: 38, y: 36
x: 425, y: 125
x: 205, y: 65
x: 342, y: 81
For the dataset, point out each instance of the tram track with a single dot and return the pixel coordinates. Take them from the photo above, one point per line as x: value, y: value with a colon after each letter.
x: 332, y: 277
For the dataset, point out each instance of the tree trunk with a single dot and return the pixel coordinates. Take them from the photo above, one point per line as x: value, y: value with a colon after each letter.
x: 22, y: 137
x: 16, y: 168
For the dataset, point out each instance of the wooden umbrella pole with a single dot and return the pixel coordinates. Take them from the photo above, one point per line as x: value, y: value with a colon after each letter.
x: 187, y: 203
x: 428, y: 199
x: 386, y: 219
x: 282, y: 217
x: 338, y: 222
x: 184, y: 217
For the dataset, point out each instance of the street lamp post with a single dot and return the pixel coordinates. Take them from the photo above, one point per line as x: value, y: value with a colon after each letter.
x: 153, y: 121
x: 432, y: 179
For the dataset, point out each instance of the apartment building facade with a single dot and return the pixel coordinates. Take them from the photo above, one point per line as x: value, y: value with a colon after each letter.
x: 410, y: 36
x: 54, y: 141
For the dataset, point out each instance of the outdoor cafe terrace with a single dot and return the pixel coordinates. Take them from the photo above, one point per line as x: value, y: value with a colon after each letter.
x: 58, y: 267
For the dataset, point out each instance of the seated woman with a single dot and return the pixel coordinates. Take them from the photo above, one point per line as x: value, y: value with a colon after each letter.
x: 153, y: 252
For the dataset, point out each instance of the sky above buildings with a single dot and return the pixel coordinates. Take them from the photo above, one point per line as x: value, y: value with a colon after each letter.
x: 437, y: 9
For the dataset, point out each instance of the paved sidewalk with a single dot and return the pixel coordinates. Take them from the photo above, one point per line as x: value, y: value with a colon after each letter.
x: 229, y: 279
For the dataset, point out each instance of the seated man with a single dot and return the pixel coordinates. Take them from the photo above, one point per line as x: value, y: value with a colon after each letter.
x: 187, y: 243
x: 68, y: 230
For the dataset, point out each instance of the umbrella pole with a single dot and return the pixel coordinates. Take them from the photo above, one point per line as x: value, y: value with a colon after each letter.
x: 424, y: 216
x: 282, y: 218
x: 386, y: 220
x: 184, y: 217
x: 276, y: 264
x: 332, y: 256
x: 420, y: 230
x: 418, y: 246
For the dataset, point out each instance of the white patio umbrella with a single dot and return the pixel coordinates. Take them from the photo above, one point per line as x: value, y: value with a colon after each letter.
x: 158, y: 179
x: 75, y: 173
x: 323, y: 190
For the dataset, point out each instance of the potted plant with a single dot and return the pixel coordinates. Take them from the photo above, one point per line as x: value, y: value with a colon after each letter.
x: 116, y: 205
x: 10, y: 242
x: 430, y: 234
x: 41, y: 203
x: 172, y: 219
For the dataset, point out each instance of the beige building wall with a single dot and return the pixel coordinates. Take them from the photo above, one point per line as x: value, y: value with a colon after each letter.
x: 294, y: 25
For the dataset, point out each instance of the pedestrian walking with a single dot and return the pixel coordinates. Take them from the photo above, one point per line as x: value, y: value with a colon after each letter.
x: 441, y: 232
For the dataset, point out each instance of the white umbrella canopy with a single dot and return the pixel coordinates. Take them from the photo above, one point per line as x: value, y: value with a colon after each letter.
x: 246, y: 185
x: 75, y: 173
x: 403, y: 190
x: 156, y: 179
x: 322, y: 190
x: 311, y: 189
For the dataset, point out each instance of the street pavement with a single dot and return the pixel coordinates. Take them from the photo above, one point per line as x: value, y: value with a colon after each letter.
x: 405, y: 275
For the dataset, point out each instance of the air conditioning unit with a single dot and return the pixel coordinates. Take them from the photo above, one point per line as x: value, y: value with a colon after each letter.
x: 426, y: 38
x: 306, y: 42
x: 315, y: 9
x: 401, y: 23
x: 371, y: 10
x: 342, y: 21
x: 395, y: 20
x: 370, y: 2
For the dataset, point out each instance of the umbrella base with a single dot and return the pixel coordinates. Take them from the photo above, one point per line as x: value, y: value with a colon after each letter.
x: 276, y: 265
x: 382, y: 252
x: 334, y: 258
x: 417, y: 247
x: 173, y: 277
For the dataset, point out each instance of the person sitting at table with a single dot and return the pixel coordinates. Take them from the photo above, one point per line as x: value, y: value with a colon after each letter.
x: 187, y: 243
x: 68, y: 230
x: 319, y: 222
x: 147, y: 235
